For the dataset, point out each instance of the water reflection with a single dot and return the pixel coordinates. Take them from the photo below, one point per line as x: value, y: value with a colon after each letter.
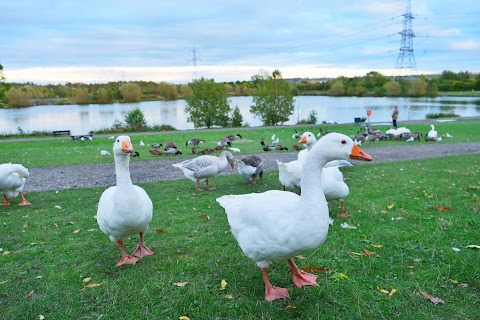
x: 81, y: 119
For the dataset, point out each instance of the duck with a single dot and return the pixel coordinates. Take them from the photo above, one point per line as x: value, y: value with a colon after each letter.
x: 172, y: 151
x: 156, y: 145
x: 296, y: 135
x: 194, y: 141
x: 275, y: 140
x: 156, y: 152
x: 432, y: 134
x: 224, y: 142
x: 12, y: 181
x: 279, y: 225
x: 205, y: 167
x: 250, y: 167
x: 207, y: 151
x: 142, y: 144
x: 125, y: 209
x: 170, y: 145
x: 105, y: 153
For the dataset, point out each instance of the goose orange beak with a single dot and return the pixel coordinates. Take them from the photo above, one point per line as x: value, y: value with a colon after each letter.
x: 303, y: 140
x: 127, y: 147
x: 359, y: 154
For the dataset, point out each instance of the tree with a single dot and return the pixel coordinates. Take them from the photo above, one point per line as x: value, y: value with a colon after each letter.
x: 81, y: 96
x: 102, y: 96
x: 135, y: 119
x: 17, y: 98
x: 131, y: 92
x: 273, y: 99
x: 237, y: 118
x: 208, y: 106
x: 168, y: 91
x: 4, y: 86
x: 392, y: 89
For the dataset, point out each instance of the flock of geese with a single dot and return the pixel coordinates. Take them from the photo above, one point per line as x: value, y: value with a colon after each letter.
x: 270, y: 226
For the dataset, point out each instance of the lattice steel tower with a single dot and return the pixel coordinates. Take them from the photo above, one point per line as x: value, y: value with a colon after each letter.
x: 406, y: 58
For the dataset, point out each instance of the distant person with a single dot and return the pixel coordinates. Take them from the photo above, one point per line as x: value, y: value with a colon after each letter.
x: 395, y: 116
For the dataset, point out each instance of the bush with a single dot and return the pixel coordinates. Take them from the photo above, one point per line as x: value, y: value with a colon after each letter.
x: 136, y: 120
x: 237, y: 118
x: 441, y: 115
x: 312, y: 118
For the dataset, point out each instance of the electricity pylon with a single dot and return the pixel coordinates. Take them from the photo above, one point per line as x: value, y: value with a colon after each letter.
x: 406, y: 57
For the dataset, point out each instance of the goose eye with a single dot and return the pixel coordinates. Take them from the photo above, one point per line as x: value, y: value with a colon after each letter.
x: 118, y: 140
x: 344, y: 142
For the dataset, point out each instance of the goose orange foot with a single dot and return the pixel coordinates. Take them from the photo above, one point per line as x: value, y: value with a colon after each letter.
x: 271, y: 292
x: 127, y: 259
x: 301, y: 278
x: 142, y: 251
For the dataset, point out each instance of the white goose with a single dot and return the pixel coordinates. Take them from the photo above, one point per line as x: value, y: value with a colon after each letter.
x: 205, y: 167
x: 432, y: 134
x: 12, y: 181
x: 289, y: 173
x: 125, y: 209
x: 279, y: 225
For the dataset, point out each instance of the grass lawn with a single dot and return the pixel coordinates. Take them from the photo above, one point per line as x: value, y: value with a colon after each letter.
x: 57, y: 264
x: 41, y: 153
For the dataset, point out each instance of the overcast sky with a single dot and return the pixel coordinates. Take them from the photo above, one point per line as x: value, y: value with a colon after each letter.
x: 58, y: 41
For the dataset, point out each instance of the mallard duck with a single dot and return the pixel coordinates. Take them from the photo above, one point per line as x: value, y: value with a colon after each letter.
x: 172, y: 151
x: 279, y: 225
x: 125, y: 209
x: 12, y: 181
x: 207, y: 151
x: 156, y: 145
x: 250, y: 167
x: 156, y: 152
x: 194, y: 141
x: 170, y: 145
x: 205, y: 167
x: 224, y: 142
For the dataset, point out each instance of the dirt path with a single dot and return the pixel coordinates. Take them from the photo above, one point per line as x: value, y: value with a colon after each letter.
x: 96, y: 175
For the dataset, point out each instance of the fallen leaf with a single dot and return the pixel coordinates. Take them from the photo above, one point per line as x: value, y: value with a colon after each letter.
x: 377, y: 246
x: 443, y: 209
x: 453, y: 281
x: 41, y: 317
x: 462, y: 285
x: 300, y: 257
x: 368, y: 253
x: 290, y: 307
x: 347, y: 226
x: 390, y: 206
x: 383, y: 290
x: 180, y: 284
x: 6, y: 253
x: 392, y: 292
x: 157, y: 231
x: 76, y: 231
x: 316, y: 269
x: 92, y: 285
x: 455, y: 249
x: 31, y: 294
x: 223, y: 285
x: 339, y: 276
x: 204, y: 216
x: 58, y: 207
x: 452, y: 171
x: 184, y: 318
x: 433, y: 299
x: 473, y: 246
x: 229, y: 296
x: 86, y: 280
x: 25, y: 225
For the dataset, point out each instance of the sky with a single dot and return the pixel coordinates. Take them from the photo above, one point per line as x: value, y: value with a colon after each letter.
x: 59, y: 41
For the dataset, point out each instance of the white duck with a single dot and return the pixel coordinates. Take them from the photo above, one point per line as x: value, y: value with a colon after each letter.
x: 12, y: 181
x: 125, y: 209
x: 205, y: 167
x: 432, y: 134
x: 250, y: 167
x: 279, y: 225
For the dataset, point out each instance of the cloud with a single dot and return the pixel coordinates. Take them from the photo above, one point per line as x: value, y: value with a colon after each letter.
x: 467, y: 45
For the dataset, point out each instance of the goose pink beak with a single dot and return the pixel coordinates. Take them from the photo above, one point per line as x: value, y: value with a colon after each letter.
x: 359, y: 154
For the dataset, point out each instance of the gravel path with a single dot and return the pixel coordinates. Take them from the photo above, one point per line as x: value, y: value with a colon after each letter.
x: 96, y: 175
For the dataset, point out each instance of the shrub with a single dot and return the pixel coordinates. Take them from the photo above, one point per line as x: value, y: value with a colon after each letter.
x: 135, y: 119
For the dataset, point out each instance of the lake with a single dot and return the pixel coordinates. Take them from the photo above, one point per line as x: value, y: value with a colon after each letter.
x: 81, y: 119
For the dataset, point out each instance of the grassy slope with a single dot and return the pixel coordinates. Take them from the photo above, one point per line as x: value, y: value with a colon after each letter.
x: 52, y: 249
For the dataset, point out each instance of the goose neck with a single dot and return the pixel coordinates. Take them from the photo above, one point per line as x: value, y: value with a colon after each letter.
x: 122, y: 170
x: 311, y: 179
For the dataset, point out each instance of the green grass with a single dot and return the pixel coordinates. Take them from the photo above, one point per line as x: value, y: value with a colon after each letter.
x: 63, y: 151
x: 52, y: 245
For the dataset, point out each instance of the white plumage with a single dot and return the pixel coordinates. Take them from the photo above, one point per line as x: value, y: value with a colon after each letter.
x: 278, y: 225
x: 125, y: 210
x: 142, y: 144
x: 104, y: 153
x: 432, y: 134
x: 12, y: 181
x: 205, y: 167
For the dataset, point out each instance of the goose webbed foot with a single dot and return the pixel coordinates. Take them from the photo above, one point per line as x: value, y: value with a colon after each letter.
x: 271, y: 292
x: 301, y: 278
